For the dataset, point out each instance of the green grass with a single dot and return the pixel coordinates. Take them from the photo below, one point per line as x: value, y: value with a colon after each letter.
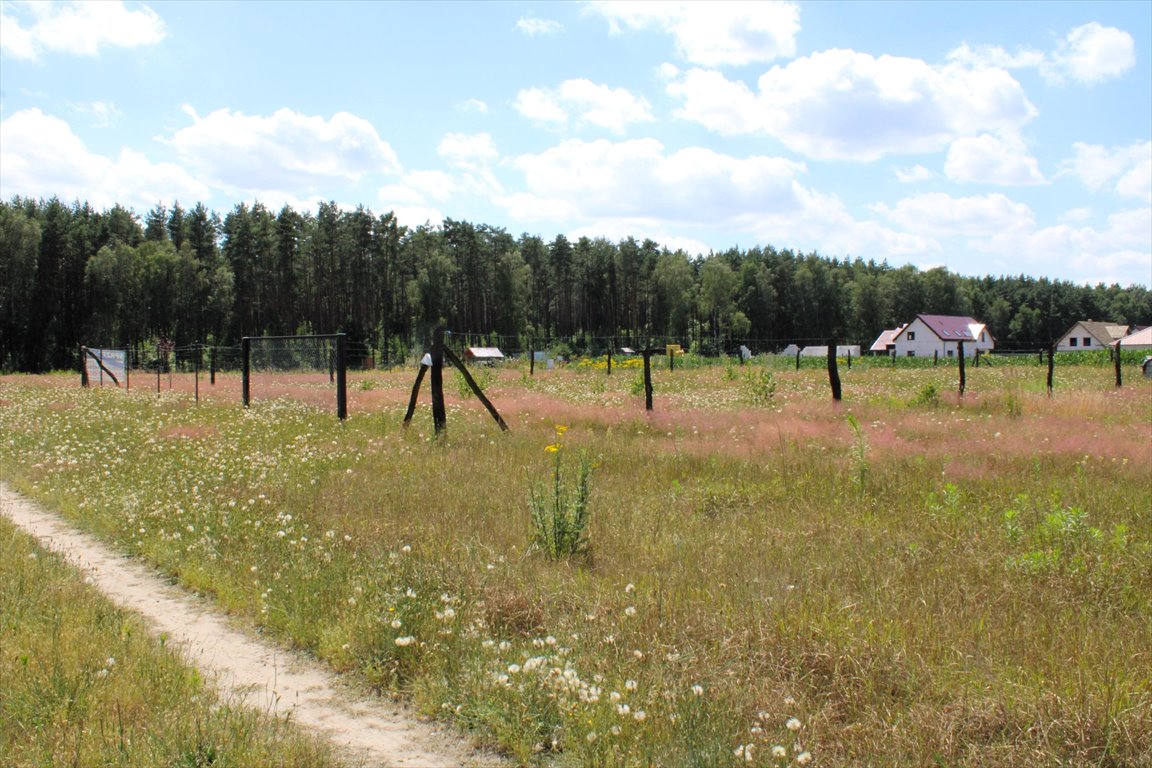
x: 83, y: 684
x: 967, y: 583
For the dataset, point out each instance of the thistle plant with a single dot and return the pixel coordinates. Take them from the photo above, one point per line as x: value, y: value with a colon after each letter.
x: 560, y: 515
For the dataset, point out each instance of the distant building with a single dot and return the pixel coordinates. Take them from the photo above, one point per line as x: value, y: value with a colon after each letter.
x: 885, y: 342
x: 1090, y: 335
x: 842, y: 350
x: 483, y: 355
x: 940, y: 335
x: 1141, y: 339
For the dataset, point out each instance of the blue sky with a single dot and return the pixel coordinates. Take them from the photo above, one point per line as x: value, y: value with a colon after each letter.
x: 990, y: 138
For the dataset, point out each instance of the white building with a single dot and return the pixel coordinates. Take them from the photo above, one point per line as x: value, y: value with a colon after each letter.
x: 1141, y: 339
x: 1091, y: 335
x: 940, y: 335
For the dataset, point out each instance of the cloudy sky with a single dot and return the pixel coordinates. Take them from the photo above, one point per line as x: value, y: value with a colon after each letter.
x: 991, y: 138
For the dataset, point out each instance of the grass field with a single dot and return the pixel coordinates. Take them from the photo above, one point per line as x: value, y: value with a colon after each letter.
x: 908, y: 577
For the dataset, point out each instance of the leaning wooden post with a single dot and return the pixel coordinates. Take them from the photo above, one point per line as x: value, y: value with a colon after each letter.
x: 849, y: 358
x: 671, y: 358
x: 83, y: 367
x: 960, y: 354
x: 212, y: 366
x: 935, y: 357
x: 415, y: 394
x: 1051, y: 366
x: 610, y: 344
x: 647, y: 377
x: 448, y: 353
x: 531, y: 360
x: 439, y: 415
x: 1118, y: 379
x: 833, y: 372
x: 196, y: 370
x: 797, y: 357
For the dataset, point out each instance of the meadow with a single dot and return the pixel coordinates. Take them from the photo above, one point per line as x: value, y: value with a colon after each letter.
x: 762, y: 576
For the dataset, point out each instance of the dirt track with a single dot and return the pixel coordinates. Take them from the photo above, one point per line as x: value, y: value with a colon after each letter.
x: 370, y: 732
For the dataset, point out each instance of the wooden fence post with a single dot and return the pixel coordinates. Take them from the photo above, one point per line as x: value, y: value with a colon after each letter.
x: 1118, y: 379
x: 245, y: 369
x: 1051, y: 366
x: 797, y: 357
x: 833, y: 372
x: 647, y: 352
x: 341, y: 377
x: 960, y: 354
x: 439, y: 415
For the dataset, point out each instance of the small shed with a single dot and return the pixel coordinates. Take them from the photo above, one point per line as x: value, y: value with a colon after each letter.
x: 483, y: 355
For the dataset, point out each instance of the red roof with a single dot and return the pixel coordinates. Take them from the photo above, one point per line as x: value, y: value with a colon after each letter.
x: 950, y: 327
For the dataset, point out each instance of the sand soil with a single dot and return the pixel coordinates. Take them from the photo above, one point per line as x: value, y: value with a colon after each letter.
x: 368, y: 731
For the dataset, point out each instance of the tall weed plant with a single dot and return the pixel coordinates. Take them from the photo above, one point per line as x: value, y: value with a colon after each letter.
x: 560, y: 510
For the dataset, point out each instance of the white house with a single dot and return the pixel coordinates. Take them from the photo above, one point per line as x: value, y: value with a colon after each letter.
x: 883, y: 343
x: 930, y: 335
x: 1091, y: 335
x: 1141, y: 339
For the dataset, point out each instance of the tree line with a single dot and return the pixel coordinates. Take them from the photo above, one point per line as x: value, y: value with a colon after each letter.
x: 70, y: 274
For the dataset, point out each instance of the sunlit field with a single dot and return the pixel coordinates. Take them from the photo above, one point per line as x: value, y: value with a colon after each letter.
x: 766, y: 577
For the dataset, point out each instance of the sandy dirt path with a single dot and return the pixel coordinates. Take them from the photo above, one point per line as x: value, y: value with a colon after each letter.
x: 368, y: 731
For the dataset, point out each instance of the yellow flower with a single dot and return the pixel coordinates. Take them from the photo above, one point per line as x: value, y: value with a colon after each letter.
x: 561, y: 429
x: 552, y: 448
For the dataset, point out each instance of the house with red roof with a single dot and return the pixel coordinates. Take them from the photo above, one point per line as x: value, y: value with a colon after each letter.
x: 940, y: 335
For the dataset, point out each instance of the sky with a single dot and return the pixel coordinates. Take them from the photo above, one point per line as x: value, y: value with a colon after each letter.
x: 991, y: 138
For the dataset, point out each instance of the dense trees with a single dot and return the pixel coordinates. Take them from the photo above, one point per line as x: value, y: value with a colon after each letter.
x: 71, y: 275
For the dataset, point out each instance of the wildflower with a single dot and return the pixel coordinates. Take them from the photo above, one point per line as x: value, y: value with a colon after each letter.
x: 793, y: 724
x: 639, y: 654
x: 630, y: 588
x: 405, y: 641
x: 803, y: 758
x: 779, y: 752
x: 552, y: 448
x: 405, y: 549
x: 639, y: 715
x: 396, y: 623
x: 698, y: 690
x: 513, y: 669
x: 630, y: 610
x: 630, y: 685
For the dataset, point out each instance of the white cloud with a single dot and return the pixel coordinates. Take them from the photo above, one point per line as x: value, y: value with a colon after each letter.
x: 914, y: 174
x: 844, y: 105
x: 1121, y: 252
x: 1091, y: 53
x: 540, y: 105
x: 282, y: 151
x: 468, y: 150
x: 473, y: 155
x: 1126, y: 170
x: 611, y: 108
x: 607, y: 180
x: 76, y: 28
x: 994, y: 56
x: 533, y: 27
x: 988, y: 159
x: 939, y: 215
x: 714, y: 34
x: 473, y: 105
x: 41, y: 156
x: 103, y: 113
x: 1088, y: 54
